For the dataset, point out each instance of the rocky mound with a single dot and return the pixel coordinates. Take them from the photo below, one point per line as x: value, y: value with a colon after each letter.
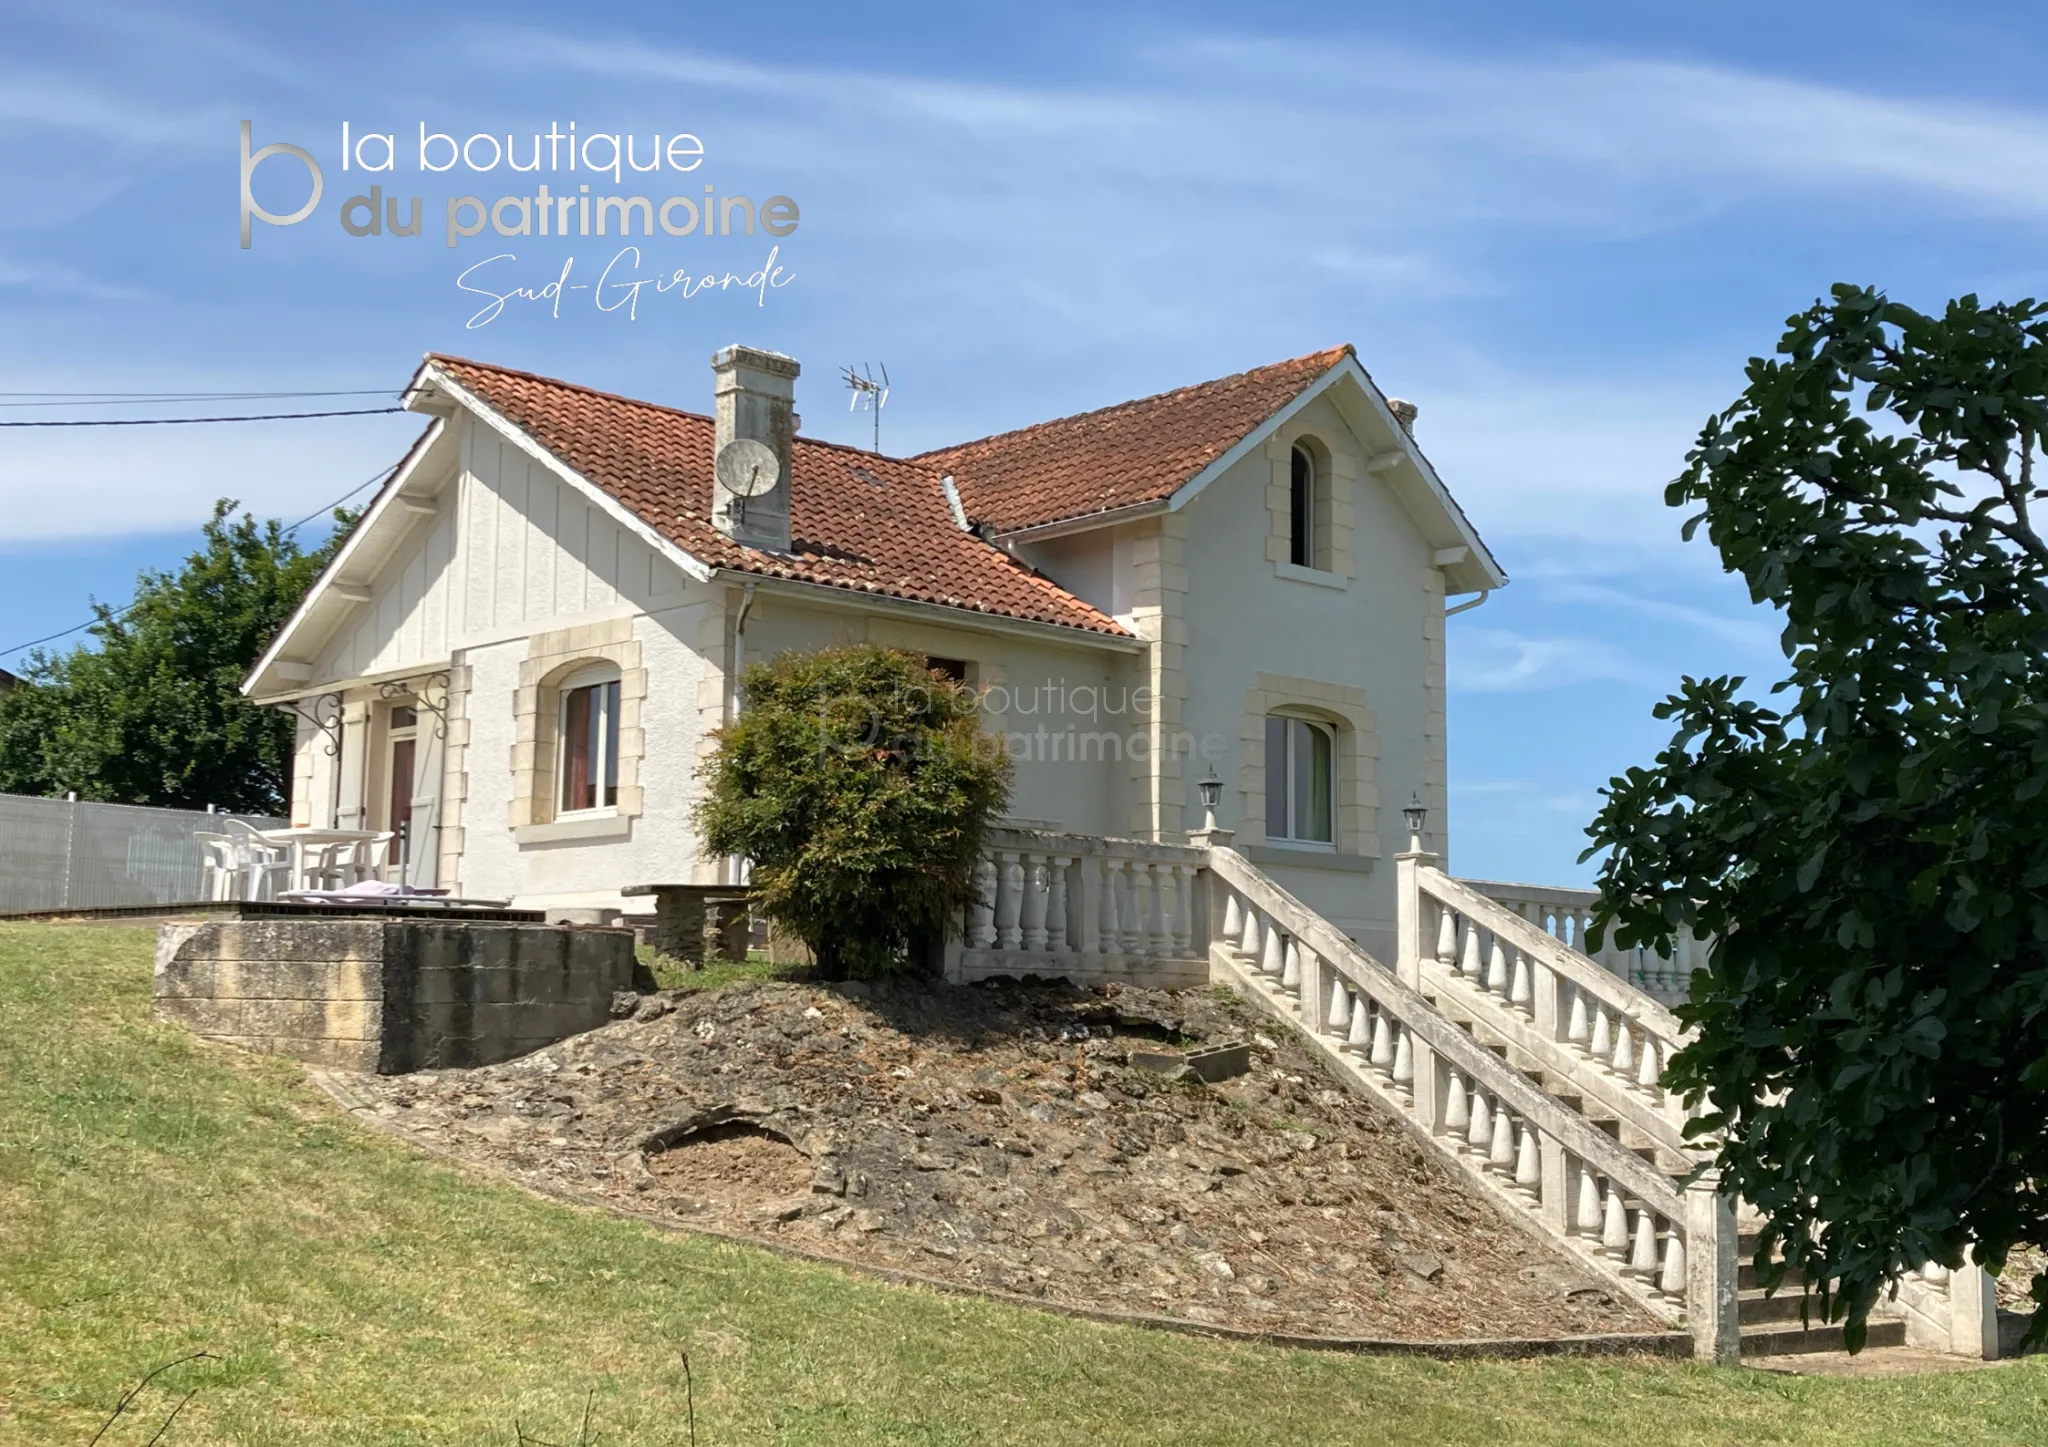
x: 999, y: 1136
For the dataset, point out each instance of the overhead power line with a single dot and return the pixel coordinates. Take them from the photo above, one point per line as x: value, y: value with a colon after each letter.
x: 179, y: 421
x: 124, y: 612
x: 115, y: 399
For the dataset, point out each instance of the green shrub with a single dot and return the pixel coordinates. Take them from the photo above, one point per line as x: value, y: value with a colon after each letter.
x: 859, y: 784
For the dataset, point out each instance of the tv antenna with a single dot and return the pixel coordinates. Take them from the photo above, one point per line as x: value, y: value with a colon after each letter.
x: 865, y: 391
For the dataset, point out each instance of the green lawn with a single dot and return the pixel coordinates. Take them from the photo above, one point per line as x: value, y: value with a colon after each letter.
x: 158, y: 1198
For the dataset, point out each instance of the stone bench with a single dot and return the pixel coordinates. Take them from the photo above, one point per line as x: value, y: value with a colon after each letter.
x: 698, y: 922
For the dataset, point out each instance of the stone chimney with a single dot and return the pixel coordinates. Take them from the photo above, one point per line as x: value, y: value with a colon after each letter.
x: 755, y: 397
x: 1404, y: 413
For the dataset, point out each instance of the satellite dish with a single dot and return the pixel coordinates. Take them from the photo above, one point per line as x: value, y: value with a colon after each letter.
x: 747, y: 468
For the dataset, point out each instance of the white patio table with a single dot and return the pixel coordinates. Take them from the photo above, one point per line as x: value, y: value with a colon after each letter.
x: 307, y: 845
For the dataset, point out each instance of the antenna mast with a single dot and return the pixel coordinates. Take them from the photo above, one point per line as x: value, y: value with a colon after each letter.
x: 865, y: 391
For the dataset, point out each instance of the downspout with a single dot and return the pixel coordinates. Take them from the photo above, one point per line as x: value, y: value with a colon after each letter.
x: 1484, y: 594
x: 735, y: 866
x: 739, y: 647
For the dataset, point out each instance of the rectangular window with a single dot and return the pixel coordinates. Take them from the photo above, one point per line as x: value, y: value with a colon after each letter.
x: 1300, y: 781
x: 590, y: 747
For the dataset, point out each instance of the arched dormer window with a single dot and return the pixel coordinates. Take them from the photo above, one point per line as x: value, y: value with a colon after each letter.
x: 1304, y: 547
x: 587, y: 758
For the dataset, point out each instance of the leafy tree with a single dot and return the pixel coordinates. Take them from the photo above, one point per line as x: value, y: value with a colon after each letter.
x: 1873, y: 1022
x: 859, y: 785
x: 154, y: 714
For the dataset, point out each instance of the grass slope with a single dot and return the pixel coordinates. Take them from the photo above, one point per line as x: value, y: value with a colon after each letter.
x: 159, y: 1197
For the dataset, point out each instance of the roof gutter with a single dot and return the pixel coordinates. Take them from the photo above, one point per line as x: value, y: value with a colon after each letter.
x: 826, y: 595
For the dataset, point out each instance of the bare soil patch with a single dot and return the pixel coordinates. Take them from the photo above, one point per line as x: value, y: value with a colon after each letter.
x: 998, y: 1136
x: 734, y: 1164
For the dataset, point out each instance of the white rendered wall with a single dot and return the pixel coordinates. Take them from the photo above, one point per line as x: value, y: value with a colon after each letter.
x: 1243, y: 618
x: 1041, y: 693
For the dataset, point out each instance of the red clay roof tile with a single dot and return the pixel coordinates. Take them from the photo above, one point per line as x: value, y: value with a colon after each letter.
x: 859, y: 520
x: 1134, y: 452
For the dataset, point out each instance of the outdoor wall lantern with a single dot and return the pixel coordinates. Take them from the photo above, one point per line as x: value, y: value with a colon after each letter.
x: 1212, y: 794
x: 1415, y: 815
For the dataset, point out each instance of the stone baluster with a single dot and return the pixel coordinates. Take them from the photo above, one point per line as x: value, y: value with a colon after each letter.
x: 1446, y: 936
x: 1404, y: 1064
x: 1033, y: 913
x: 1500, y: 1155
x: 1579, y: 1031
x: 1614, y: 1224
x: 1183, y: 923
x: 1586, y: 1214
x: 1359, y: 1041
x: 1056, y: 902
x: 981, y: 915
x: 1623, y: 1061
x: 1249, y: 950
x: 1457, y: 1110
x: 1009, y: 900
x: 1671, y: 1281
x: 1521, y: 987
x: 1642, y: 1256
x: 1383, y: 1051
x: 1646, y: 1067
x: 1337, y: 1022
x: 1274, y: 960
x: 1478, y: 1122
x: 1158, y: 907
x: 1233, y: 919
x: 1137, y: 896
x: 1108, y: 936
x: 1497, y: 968
x: 1290, y: 966
x: 1601, y: 1046
x: 1470, y: 966
x: 1528, y: 1164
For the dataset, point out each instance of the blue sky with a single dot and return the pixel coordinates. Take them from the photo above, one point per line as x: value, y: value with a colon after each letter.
x: 1560, y: 230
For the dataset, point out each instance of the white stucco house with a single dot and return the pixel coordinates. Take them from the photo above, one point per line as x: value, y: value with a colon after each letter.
x: 517, y: 656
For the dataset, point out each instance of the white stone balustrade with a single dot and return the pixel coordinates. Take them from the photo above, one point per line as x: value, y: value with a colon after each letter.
x: 1567, y: 916
x: 1557, y: 1009
x: 1091, y: 909
x: 1671, y: 1249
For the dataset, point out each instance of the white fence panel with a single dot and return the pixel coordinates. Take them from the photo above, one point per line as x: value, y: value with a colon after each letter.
x: 68, y: 854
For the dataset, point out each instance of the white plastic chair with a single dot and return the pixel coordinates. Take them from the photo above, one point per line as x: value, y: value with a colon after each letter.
x: 220, y: 871
x: 260, y: 863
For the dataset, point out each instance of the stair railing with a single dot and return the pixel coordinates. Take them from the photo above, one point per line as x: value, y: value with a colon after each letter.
x: 1550, y: 1003
x: 1672, y: 1250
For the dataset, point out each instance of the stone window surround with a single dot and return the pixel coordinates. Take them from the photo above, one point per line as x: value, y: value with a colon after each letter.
x: 1339, y: 707
x: 1337, y: 471
x: 551, y: 659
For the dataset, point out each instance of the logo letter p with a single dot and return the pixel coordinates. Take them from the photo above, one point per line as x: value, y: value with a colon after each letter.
x: 249, y: 165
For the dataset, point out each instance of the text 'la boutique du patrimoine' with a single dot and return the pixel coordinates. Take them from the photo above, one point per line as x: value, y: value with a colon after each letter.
x: 540, y: 212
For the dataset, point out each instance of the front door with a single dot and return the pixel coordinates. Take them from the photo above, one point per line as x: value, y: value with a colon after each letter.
x: 401, y: 773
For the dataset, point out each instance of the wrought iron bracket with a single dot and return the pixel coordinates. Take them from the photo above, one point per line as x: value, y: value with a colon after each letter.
x: 324, y: 715
x: 420, y: 691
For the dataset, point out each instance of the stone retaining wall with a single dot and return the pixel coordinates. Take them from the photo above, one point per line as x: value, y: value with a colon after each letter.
x: 389, y: 996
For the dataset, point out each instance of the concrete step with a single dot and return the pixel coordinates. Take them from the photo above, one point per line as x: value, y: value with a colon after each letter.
x: 1753, y: 1308
x: 1783, y: 1340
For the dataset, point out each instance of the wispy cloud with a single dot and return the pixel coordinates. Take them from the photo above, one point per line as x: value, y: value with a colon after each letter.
x: 1752, y: 628
x: 63, y: 280
x: 1496, y: 660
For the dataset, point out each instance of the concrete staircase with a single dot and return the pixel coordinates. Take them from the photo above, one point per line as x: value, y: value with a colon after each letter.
x: 1533, y: 1071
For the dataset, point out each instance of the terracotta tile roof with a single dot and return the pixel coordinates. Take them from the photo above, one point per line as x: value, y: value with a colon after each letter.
x: 859, y: 520
x: 1134, y: 452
